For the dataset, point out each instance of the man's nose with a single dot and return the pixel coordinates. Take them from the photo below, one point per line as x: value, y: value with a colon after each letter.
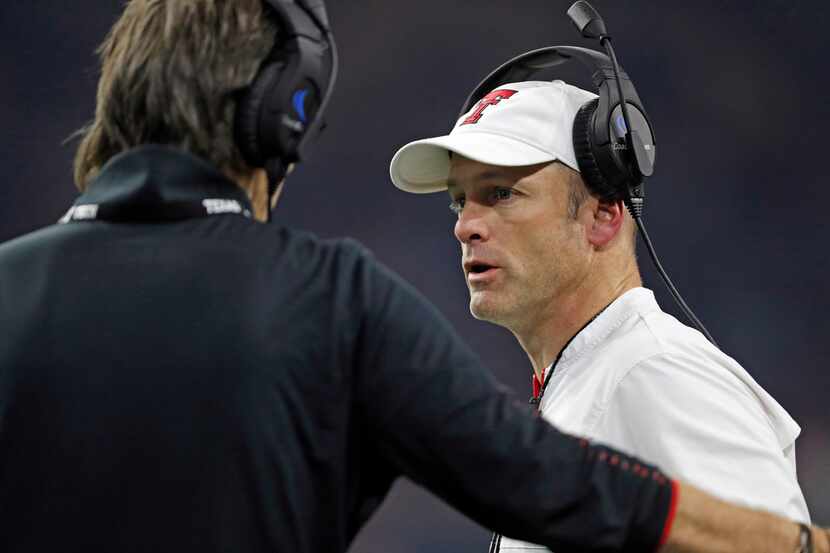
x: 471, y: 225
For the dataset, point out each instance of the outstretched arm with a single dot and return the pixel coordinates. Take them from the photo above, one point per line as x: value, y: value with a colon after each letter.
x: 435, y: 415
x: 704, y: 524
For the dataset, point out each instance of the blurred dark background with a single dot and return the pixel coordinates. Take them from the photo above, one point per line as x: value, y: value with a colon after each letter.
x: 737, y: 208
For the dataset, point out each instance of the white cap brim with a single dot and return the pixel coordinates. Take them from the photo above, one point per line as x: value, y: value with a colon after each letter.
x: 423, y: 166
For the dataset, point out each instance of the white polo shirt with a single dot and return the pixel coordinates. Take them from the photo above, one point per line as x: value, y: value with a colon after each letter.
x: 640, y: 381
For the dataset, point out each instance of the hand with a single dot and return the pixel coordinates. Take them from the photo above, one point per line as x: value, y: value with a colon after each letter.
x: 821, y: 539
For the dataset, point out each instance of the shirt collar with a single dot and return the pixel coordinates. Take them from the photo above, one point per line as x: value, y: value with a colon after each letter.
x: 154, y: 174
x: 633, y: 302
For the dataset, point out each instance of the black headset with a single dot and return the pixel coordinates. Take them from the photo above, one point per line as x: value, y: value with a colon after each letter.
x: 282, y: 110
x: 612, y: 160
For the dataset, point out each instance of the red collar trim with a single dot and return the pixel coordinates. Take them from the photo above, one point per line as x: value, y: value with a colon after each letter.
x: 537, y: 384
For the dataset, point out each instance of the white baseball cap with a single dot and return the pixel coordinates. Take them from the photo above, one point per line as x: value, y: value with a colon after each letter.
x: 516, y: 124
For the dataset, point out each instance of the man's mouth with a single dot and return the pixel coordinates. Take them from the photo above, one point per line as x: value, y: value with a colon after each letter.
x: 480, y: 268
x: 478, y: 271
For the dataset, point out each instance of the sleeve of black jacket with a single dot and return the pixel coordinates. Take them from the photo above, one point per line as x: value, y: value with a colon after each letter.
x: 441, y: 419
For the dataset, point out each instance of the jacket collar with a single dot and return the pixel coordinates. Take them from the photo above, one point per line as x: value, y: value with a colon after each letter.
x: 153, y: 175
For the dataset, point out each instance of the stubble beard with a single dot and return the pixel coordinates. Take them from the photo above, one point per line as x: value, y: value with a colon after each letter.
x: 498, y: 306
x: 516, y: 303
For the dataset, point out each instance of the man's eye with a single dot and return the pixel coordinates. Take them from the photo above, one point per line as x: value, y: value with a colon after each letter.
x: 501, y: 194
x: 456, y: 206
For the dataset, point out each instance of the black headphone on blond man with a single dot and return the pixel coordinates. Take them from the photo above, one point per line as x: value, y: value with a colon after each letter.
x: 612, y: 160
x: 612, y: 137
x: 282, y: 110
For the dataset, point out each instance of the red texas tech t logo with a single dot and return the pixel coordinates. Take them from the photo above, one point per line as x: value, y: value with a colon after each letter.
x: 490, y: 100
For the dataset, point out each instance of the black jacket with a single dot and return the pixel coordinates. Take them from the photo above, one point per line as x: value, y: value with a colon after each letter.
x: 186, y: 383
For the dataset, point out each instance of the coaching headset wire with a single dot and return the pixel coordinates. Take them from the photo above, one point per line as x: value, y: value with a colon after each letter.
x: 634, y: 203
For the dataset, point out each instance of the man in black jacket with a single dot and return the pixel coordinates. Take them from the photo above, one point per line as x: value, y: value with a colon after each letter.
x: 177, y: 376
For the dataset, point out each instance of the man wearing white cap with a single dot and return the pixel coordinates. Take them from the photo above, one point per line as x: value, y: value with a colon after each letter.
x: 556, y: 266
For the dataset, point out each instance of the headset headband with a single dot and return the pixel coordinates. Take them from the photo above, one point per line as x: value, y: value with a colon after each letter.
x: 525, y: 65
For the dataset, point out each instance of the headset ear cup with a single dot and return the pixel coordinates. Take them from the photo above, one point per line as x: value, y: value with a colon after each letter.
x: 249, y: 113
x: 584, y: 150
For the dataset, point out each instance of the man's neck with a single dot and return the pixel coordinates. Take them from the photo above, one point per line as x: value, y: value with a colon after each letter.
x: 544, y: 337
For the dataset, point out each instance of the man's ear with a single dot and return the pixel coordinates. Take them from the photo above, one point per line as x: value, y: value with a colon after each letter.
x: 605, y: 223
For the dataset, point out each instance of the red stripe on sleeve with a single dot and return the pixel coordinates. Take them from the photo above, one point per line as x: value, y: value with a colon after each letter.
x: 675, y: 493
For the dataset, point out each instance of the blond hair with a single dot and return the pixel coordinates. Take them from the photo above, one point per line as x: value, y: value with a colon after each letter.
x: 171, y: 72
